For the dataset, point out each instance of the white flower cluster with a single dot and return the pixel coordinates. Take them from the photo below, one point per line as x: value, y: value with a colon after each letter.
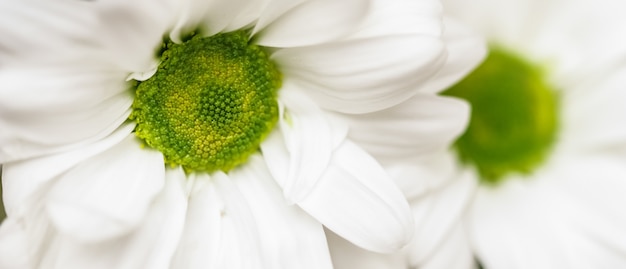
x: 368, y: 134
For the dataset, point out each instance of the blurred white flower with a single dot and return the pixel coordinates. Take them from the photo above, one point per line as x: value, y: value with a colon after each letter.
x: 353, y: 79
x: 545, y: 144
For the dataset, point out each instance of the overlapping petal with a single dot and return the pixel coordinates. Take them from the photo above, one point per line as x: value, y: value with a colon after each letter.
x: 289, y: 237
x: 302, y: 25
x: 401, y: 17
x: 26, y: 182
x: 14, y: 248
x: 93, y: 202
x: 593, y: 113
x: 454, y: 253
x: 300, y: 151
x: 61, y: 109
x: 365, y: 75
x: 466, y: 49
x: 570, y: 213
x: 421, y: 126
x: 199, y: 244
x: 437, y: 214
x: 152, y: 245
x: 347, y: 256
x: 110, y: 33
x: 373, y: 214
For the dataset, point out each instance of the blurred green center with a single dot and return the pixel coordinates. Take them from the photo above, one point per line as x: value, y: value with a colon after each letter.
x: 514, y: 117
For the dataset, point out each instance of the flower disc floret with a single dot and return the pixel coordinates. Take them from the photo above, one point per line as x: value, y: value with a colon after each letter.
x: 514, y: 117
x: 210, y: 103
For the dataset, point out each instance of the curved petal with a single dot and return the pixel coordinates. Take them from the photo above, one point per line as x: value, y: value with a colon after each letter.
x: 299, y: 154
x: 289, y: 237
x: 248, y: 13
x: 60, y: 109
x: 569, y: 215
x: 26, y: 237
x: 151, y: 245
x: 348, y: 256
x: 239, y: 236
x: 417, y: 177
x: 302, y: 26
x: 364, y: 75
x: 84, y: 34
x: 14, y: 250
x: 356, y: 199
x: 220, y: 228
x: 401, y: 17
x: 591, y: 110
x: 26, y: 182
x: 199, y: 246
x: 107, y: 195
x: 454, y: 253
x: 191, y: 14
x: 273, y: 10
x: 466, y: 49
x: 215, y: 16
x: 421, y: 126
x: 438, y: 213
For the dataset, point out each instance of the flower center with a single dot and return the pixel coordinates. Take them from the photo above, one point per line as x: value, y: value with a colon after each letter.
x: 210, y: 103
x: 514, y: 117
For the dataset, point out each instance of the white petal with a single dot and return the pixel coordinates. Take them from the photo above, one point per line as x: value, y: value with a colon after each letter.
x: 84, y: 34
x: 419, y: 176
x: 191, y: 14
x: 592, y: 113
x: 569, y: 215
x: 157, y: 239
x: 356, y: 199
x: 107, y: 195
x: 214, y: 16
x: 345, y: 255
x: 400, y: 17
x: 421, y: 126
x: 299, y: 154
x: 14, y: 250
x: 365, y: 75
x: 455, y: 252
x: 437, y: 213
x: 239, y: 234
x: 199, y: 245
x: 28, y: 181
x: 61, y: 108
x: 220, y: 228
x: 151, y: 245
x: 302, y: 26
x: 133, y: 36
x: 25, y: 238
x: 289, y: 237
x: 248, y: 13
x: 273, y: 10
x: 466, y: 49
x: 219, y: 13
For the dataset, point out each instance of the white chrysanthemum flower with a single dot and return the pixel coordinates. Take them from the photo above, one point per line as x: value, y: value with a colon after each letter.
x: 546, y: 143
x: 251, y: 132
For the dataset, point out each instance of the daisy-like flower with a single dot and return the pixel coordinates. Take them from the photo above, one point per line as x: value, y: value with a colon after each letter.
x: 545, y: 141
x: 252, y: 130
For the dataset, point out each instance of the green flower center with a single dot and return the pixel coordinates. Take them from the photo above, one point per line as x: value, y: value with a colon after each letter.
x: 211, y: 102
x: 514, y: 117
